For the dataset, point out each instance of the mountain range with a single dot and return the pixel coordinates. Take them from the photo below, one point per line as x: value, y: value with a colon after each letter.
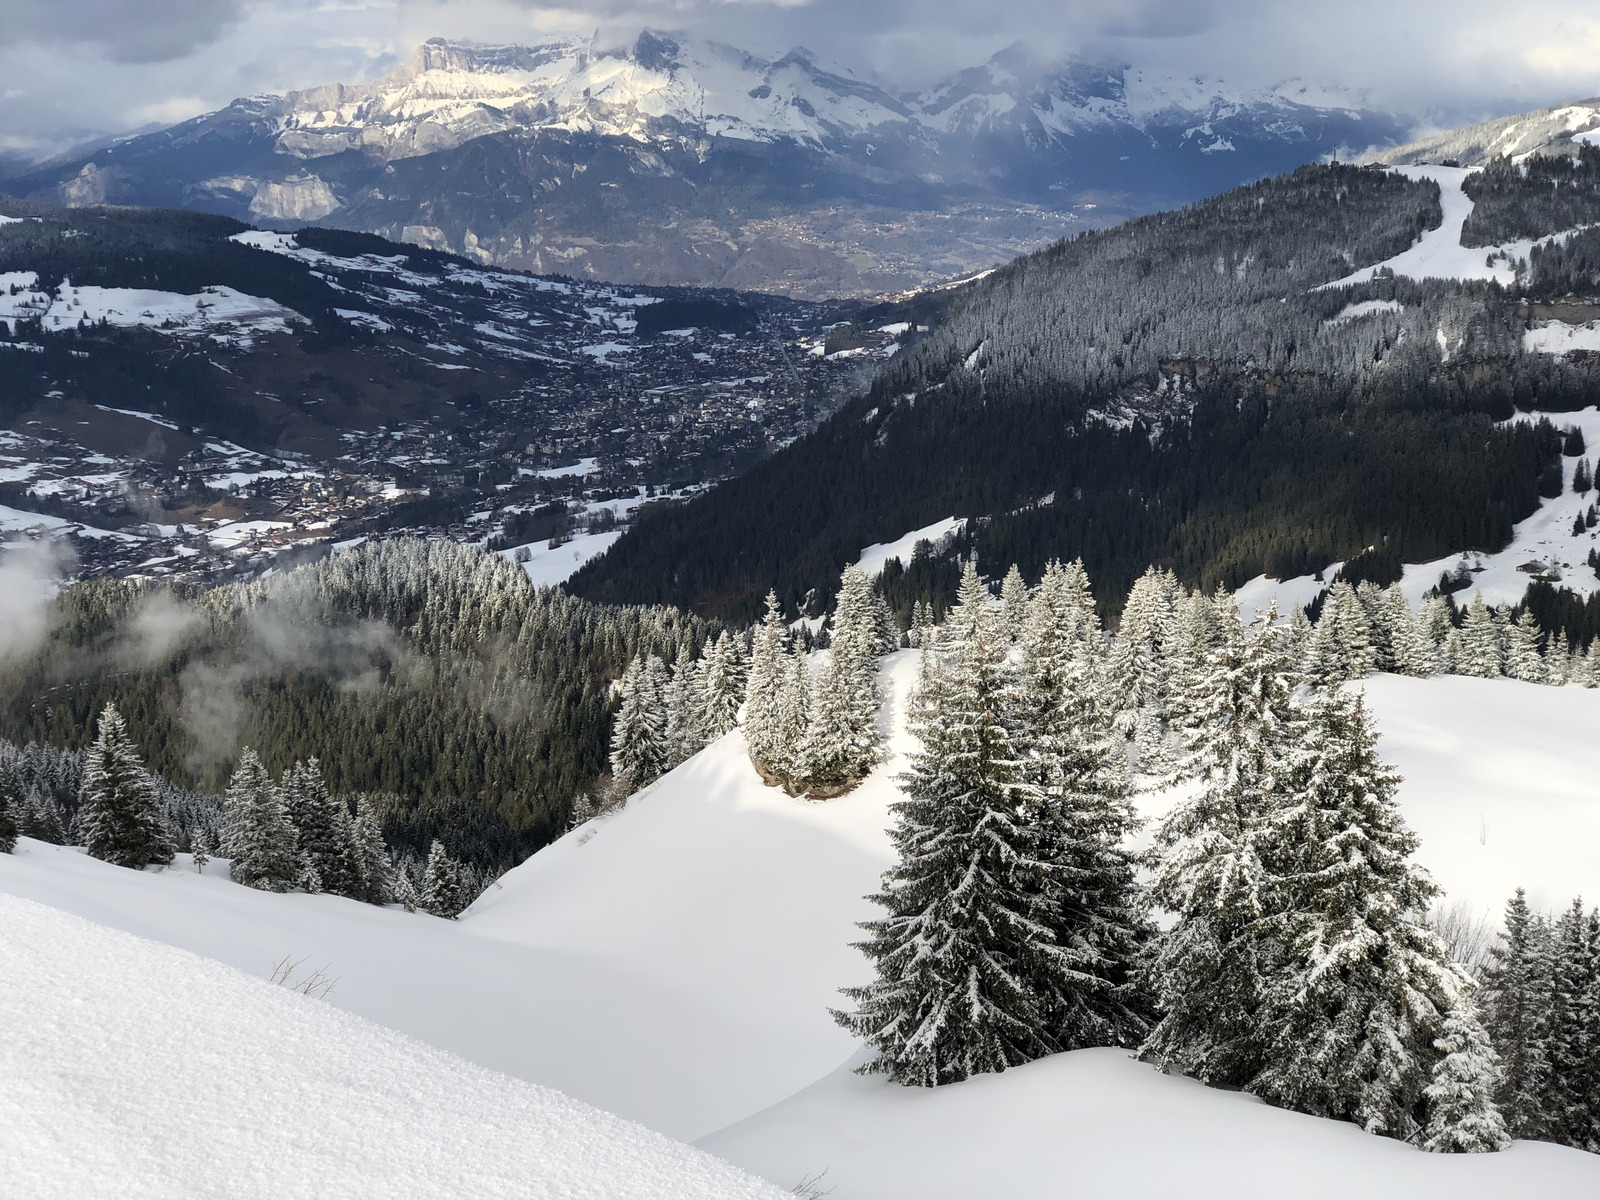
x: 674, y: 161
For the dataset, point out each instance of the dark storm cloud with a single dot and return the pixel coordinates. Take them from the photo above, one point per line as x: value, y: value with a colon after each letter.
x: 125, y: 31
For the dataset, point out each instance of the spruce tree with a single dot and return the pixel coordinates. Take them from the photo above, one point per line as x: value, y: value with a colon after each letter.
x: 368, y: 871
x: 1572, y: 1050
x: 442, y: 892
x: 1413, y: 652
x: 1013, y: 604
x: 1480, y: 642
x: 1462, y: 1116
x: 257, y: 835
x: 841, y: 740
x: 959, y: 948
x: 763, y: 731
x: 10, y: 797
x: 1518, y: 996
x: 1523, y: 660
x: 1361, y: 994
x: 794, y: 716
x: 1137, y: 668
x: 639, y: 733
x: 200, y: 849
x: 684, y: 734
x: 722, y: 686
x: 1211, y: 968
x: 118, y: 817
x: 318, y: 832
x: 1086, y: 890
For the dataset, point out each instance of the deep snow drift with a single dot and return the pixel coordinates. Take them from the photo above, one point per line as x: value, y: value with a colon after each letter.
x: 674, y: 962
x: 132, y: 1069
x: 1095, y: 1123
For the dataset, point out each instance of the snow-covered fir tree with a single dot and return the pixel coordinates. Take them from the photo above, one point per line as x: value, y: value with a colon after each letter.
x: 319, y: 835
x: 1341, y: 647
x: 763, y: 724
x: 1411, y: 649
x: 722, y: 685
x: 1013, y: 604
x: 1077, y: 819
x: 1371, y: 597
x: 442, y: 893
x: 1517, y: 1003
x: 959, y: 949
x: 794, y: 716
x: 1352, y: 1011
x: 1462, y: 1115
x: 1523, y: 660
x: 405, y: 891
x: 639, y: 733
x: 200, y: 850
x: 1137, y: 665
x: 885, y: 628
x: 10, y: 797
x: 841, y: 740
x: 1572, y: 1047
x: 1480, y: 642
x: 118, y: 817
x: 369, y: 873
x: 257, y: 835
x: 1435, y: 622
x: 921, y: 625
x: 684, y: 734
x: 1211, y: 969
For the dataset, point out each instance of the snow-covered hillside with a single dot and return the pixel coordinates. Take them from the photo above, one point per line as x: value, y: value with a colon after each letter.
x: 1543, y: 545
x: 132, y: 1069
x: 1545, y: 131
x: 1439, y: 254
x: 674, y: 962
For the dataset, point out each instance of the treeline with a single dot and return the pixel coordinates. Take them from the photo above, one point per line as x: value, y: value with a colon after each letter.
x: 1260, y: 484
x: 1532, y: 197
x: 278, y: 835
x: 428, y: 671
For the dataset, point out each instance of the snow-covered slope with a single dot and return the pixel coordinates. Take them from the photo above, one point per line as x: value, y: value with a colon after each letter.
x: 674, y: 962
x: 1556, y: 130
x: 1095, y: 1123
x: 130, y: 1069
x: 1439, y: 254
x: 1544, y: 546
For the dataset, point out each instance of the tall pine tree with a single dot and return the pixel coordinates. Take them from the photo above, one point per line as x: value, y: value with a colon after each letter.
x: 118, y: 817
x: 257, y: 834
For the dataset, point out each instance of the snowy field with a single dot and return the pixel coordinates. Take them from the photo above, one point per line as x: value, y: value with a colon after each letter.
x: 874, y: 557
x: 546, y: 567
x: 147, y: 1071
x: 674, y: 962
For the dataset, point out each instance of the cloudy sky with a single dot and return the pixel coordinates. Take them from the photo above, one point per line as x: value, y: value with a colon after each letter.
x: 69, y: 68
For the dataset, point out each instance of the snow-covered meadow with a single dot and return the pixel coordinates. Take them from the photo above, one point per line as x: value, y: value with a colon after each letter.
x: 674, y: 962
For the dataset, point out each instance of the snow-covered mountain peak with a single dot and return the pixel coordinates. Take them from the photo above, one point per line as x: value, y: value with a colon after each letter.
x: 660, y: 85
x: 1556, y: 130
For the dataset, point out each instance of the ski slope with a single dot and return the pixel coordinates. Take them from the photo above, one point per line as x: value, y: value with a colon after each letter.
x: 1438, y: 253
x: 130, y: 1069
x: 673, y: 962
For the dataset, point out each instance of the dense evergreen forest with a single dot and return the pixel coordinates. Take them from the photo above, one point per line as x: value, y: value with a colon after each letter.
x: 1183, y: 389
x: 427, y: 673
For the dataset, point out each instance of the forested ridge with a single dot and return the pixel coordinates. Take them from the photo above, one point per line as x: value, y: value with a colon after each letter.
x: 427, y: 673
x: 1182, y: 389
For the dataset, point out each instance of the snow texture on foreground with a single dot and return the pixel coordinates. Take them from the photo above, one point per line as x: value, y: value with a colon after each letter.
x: 674, y: 962
x: 1096, y: 1123
x: 130, y: 1069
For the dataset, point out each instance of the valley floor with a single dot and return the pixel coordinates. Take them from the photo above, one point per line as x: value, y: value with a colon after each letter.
x: 674, y: 963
